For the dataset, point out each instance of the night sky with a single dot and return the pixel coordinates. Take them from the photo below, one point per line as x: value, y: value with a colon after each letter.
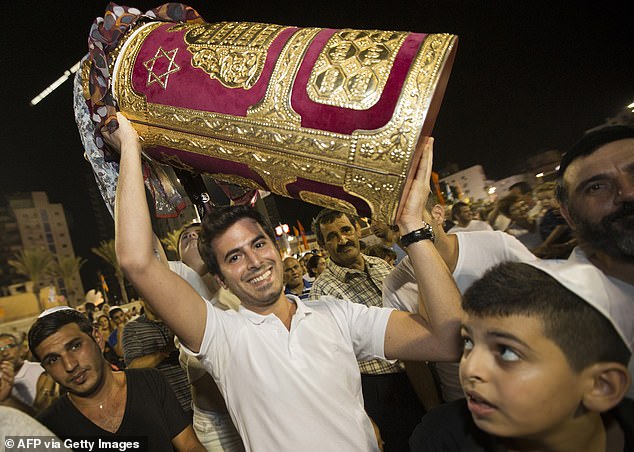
x: 528, y: 77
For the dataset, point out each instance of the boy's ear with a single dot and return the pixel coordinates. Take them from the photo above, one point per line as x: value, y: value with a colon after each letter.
x: 607, y: 385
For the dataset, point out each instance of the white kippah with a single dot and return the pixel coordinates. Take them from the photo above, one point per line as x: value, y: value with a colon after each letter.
x: 55, y: 309
x: 607, y: 295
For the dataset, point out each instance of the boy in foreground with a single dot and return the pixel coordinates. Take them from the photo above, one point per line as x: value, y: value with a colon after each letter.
x: 544, y: 366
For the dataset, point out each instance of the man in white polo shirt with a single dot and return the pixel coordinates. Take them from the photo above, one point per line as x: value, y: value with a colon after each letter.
x: 288, y: 370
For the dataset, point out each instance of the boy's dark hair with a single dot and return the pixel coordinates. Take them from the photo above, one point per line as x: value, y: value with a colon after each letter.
x: 216, y: 222
x: 113, y: 311
x: 381, y: 251
x: 589, y: 143
x: 327, y: 216
x: 455, y: 209
x: 583, y: 334
x: 51, y: 323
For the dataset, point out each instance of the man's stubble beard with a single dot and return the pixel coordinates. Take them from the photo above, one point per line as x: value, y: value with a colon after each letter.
x: 606, y: 236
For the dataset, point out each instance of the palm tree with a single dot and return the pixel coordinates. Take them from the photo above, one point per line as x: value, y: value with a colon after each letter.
x: 66, y: 267
x: 107, y: 252
x: 34, y: 263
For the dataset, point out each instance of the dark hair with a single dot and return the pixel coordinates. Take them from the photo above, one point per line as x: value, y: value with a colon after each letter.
x: 51, y: 323
x: 589, y: 143
x: 216, y: 222
x: 583, y: 334
x: 113, y: 311
x: 327, y: 216
x: 187, y: 227
x: 523, y: 187
x: 455, y: 209
x: 381, y: 251
x: 312, y: 264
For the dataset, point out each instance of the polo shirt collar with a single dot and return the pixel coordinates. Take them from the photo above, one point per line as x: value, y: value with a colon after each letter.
x: 258, y: 319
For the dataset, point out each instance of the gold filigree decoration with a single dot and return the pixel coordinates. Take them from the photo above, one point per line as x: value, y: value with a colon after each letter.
x: 236, y: 180
x: 353, y: 67
x: 328, y: 202
x: 276, y: 105
x: 172, y: 67
x: 231, y: 52
x: 390, y: 150
x: 85, y: 78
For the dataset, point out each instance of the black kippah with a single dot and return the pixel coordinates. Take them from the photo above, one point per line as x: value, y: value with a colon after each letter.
x: 593, y: 140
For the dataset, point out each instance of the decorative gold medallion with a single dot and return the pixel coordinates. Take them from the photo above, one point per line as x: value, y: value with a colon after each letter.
x: 231, y: 52
x: 353, y: 67
x: 172, y: 67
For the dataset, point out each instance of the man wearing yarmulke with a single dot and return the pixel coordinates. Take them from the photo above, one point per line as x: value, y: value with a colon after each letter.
x: 596, y: 192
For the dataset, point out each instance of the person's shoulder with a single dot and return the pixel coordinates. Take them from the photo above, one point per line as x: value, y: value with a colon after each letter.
x: 376, y: 261
x: 143, y: 373
x: 450, y: 427
x: 57, y: 412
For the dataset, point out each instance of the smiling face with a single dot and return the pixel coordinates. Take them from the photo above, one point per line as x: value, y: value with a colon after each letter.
x: 73, y: 359
x: 600, y: 192
x: 250, y: 264
x: 341, y: 239
x: 517, y: 382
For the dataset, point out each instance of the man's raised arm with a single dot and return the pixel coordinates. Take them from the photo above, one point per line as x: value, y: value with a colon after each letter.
x: 170, y: 296
x: 410, y: 336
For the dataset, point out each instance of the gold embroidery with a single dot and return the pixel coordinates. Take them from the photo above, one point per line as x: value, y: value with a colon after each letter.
x: 276, y: 105
x: 231, y: 52
x: 353, y: 67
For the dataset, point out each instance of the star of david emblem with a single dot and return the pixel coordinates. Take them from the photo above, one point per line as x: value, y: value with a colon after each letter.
x: 172, y: 67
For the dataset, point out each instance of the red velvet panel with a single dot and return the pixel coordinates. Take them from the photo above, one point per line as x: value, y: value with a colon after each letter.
x: 194, y: 88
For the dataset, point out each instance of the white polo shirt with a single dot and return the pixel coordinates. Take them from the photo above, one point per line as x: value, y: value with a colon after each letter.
x: 296, y: 390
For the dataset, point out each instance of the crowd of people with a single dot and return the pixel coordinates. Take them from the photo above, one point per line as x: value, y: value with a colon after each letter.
x: 511, y: 328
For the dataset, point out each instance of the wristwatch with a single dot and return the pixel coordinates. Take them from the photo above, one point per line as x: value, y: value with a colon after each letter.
x: 424, y: 233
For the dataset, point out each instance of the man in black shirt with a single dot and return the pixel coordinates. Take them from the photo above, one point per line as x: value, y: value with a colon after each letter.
x: 100, y: 402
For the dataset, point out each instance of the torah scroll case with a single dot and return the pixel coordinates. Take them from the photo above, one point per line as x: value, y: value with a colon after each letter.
x: 330, y: 117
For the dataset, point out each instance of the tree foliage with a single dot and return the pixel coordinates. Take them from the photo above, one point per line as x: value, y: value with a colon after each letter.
x: 106, y: 251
